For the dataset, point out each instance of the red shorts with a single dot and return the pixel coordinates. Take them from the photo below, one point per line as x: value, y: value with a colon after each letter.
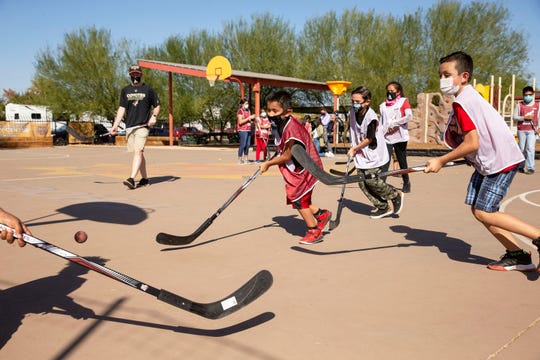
x: 303, y: 203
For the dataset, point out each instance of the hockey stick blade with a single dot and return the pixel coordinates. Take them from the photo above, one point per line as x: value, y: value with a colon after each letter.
x: 170, y: 239
x: 310, y: 165
x: 342, y: 173
x: 248, y: 293
x: 400, y: 171
x: 334, y: 223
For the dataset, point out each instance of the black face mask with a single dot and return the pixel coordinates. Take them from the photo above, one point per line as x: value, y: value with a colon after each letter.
x: 136, y: 79
x: 391, y: 95
x: 275, y: 120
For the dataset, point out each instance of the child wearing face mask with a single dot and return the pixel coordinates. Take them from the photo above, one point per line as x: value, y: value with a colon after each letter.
x: 476, y: 131
x: 262, y: 134
x: 395, y: 115
x: 370, y: 154
x: 527, y: 116
x: 299, y: 183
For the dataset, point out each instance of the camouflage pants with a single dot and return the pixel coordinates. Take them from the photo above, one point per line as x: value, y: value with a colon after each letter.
x: 376, y: 190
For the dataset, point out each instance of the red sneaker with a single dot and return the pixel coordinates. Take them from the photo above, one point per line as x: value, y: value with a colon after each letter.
x: 312, y: 236
x: 323, y: 219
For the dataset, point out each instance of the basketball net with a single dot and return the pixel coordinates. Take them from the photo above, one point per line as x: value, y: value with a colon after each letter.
x: 212, y: 80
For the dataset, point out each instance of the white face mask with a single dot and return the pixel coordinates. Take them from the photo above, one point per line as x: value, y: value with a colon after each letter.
x: 263, y: 114
x: 447, y: 86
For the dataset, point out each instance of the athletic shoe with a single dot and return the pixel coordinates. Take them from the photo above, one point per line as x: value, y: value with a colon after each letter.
x: 322, y: 219
x: 312, y: 236
x: 143, y: 182
x: 397, y: 203
x: 513, y: 260
x: 380, y: 213
x: 130, y: 183
x: 530, y: 171
x: 406, y: 187
x: 537, y: 244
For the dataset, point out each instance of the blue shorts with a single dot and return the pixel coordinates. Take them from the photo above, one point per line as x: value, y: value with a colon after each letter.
x: 486, y: 192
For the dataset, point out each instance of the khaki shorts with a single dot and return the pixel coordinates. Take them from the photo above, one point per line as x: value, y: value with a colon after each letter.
x: 136, y: 139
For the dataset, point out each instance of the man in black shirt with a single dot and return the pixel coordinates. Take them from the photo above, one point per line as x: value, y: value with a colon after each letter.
x: 140, y: 105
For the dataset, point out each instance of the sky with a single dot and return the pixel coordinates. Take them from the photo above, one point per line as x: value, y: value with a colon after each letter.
x: 31, y: 26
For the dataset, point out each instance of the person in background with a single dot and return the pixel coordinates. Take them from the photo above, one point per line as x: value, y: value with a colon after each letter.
x: 326, y: 122
x: 307, y: 123
x: 262, y: 134
x: 317, y: 134
x: 527, y: 116
x: 244, y: 120
x: 395, y: 115
x: 140, y: 105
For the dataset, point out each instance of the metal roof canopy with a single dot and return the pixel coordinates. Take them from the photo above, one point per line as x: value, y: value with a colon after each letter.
x: 255, y: 80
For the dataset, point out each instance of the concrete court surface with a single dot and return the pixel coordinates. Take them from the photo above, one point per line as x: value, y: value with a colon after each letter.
x: 412, y: 286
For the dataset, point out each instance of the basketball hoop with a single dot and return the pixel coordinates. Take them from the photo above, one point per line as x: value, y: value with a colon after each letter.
x: 219, y: 68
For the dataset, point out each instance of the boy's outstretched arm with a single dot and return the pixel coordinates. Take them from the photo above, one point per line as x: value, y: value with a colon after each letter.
x: 470, y: 144
x: 285, y: 156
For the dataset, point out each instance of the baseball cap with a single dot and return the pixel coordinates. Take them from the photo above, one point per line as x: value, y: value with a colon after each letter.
x: 135, y: 69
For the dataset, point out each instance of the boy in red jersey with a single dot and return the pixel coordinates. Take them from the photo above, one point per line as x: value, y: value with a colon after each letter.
x: 477, y: 132
x: 299, y: 183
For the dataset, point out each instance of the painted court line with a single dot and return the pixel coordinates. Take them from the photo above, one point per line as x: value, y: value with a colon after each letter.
x: 522, y: 197
x: 46, y: 177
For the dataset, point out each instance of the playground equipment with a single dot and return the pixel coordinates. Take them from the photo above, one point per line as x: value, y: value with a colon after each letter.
x: 337, y: 87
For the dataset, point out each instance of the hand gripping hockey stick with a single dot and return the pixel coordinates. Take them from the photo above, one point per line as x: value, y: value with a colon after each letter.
x: 169, y: 239
x: 249, y: 292
x: 334, y: 223
x: 328, y: 179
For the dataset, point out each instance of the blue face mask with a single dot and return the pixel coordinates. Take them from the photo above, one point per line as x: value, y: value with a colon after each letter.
x: 528, y: 98
x: 357, y: 106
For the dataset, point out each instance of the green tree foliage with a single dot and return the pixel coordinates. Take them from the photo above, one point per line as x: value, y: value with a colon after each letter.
x: 88, y: 70
x: 84, y: 74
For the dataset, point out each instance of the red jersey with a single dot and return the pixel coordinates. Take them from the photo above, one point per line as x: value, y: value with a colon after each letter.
x: 247, y: 125
x: 298, y: 181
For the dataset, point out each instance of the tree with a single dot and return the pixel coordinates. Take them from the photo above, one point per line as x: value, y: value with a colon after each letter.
x: 84, y: 74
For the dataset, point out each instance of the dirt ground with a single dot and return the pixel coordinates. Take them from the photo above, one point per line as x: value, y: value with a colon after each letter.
x: 412, y: 286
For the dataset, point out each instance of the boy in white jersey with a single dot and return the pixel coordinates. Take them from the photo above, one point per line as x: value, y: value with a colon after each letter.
x: 369, y: 152
x: 477, y: 132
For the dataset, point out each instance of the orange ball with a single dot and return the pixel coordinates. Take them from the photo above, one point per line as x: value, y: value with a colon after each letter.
x: 80, y: 236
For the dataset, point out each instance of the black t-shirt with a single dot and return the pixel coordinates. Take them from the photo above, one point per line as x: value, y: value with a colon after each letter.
x: 138, y: 102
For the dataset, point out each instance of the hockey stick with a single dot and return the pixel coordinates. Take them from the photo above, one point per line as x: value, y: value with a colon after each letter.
x: 169, y: 239
x: 401, y: 171
x: 300, y: 154
x: 334, y: 223
x: 328, y: 179
x: 249, y: 292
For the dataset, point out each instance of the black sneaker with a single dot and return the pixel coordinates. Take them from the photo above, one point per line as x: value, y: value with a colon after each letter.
x: 380, y: 213
x: 406, y: 187
x: 130, y: 183
x: 397, y: 203
x: 537, y: 244
x: 143, y: 182
x: 513, y: 260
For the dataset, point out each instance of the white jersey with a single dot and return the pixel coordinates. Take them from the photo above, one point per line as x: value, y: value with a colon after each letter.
x: 498, y: 148
x: 395, y: 116
x: 367, y: 158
